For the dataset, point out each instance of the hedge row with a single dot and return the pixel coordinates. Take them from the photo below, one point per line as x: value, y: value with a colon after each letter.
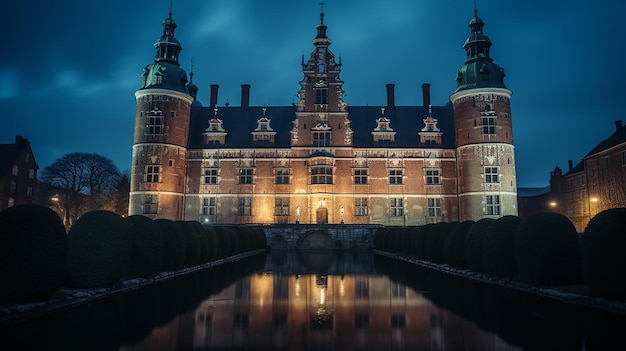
x: 38, y: 257
x: 542, y: 249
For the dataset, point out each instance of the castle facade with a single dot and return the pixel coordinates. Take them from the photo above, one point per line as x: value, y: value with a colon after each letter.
x: 321, y: 160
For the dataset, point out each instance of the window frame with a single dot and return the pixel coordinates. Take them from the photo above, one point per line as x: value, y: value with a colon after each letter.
x: 395, y: 176
x: 281, y: 206
x: 492, y: 174
x: 360, y: 207
x: 396, y: 207
x: 246, y: 175
x: 434, y: 207
x: 151, y: 204
x: 360, y: 176
x: 433, y: 176
x: 492, y: 205
x: 245, y: 205
x: 325, y: 177
x: 211, y: 176
x: 152, y: 173
x: 488, y: 124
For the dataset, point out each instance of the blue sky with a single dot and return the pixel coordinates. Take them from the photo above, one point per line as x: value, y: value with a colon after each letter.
x: 69, y: 69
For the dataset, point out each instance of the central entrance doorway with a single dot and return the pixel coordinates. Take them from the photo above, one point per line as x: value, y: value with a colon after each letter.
x: 322, y: 215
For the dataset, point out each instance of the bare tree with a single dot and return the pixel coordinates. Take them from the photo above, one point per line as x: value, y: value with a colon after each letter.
x: 83, y: 182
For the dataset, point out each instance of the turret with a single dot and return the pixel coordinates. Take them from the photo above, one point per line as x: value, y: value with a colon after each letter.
x: 159, y: 158
x: 484, y: 136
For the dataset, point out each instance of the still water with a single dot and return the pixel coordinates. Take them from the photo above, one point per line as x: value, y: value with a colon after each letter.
x: 322, y: 301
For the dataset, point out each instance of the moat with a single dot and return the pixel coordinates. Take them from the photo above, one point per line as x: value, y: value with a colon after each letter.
x: 324, y: 300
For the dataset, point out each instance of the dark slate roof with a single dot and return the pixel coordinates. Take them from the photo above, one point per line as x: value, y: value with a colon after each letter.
x: 406, y: 121
x: 615, y: 139
x: 576, y: 169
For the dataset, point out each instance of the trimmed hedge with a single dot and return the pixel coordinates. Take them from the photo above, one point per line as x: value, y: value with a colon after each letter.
x: 547, y: 250
x: 174, y: 244
x: 192, y: 243
x: 33, y: 253
x: 454, y: 247
x: 604, y: 253
x: 474, y: 244
x: 148, y: 247
x: 203, y: 240
x: 99, y: 250
x: 437, y: 235
x: 499, y: 246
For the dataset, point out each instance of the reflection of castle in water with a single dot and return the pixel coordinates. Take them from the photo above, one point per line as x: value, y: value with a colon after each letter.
x: 275, y: 311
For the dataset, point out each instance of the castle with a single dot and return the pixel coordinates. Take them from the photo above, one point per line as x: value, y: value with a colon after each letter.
x: 321, y: 160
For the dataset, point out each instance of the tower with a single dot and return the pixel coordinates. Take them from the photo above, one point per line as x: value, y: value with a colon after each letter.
x: 484, y: 136
x: 159, y: 159
x: 321, y: 126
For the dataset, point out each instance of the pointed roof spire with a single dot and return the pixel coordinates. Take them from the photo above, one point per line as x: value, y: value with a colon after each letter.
x: 321, y: 38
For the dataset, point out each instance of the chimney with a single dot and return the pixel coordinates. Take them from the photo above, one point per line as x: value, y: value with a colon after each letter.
x: 245, y: 96
x: 426, y: 94
x: 19, y: 140
x: 391, y: 100
x: 213, y: 101
x: 569, y: 164
x: 618, y: 125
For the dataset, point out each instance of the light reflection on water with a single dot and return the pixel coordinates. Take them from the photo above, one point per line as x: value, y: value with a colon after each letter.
x: 298, y: 310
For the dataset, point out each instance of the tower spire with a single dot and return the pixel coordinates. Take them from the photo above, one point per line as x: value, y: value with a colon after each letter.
x: 322, y: 12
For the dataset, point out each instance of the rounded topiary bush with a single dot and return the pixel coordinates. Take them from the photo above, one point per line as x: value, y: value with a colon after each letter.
x: 224, y: 240
x: 420, y: 241
x: 603, y: 253
x: 33, y: 252
x: 454, y: 247
x: 147, y: 255
x: 192, y: 243
x: 99, y: 250
x: 260, y: 238
x: 213, y: 242
x: 499, y: 246
x: 379, y: 238
x: 437, y: 235
x: 174, y: 244
x: 547, y: 250
x: 203, y: 240
x: 474, y: 244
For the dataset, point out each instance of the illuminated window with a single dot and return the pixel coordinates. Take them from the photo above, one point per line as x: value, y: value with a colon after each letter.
x: 492, y: 205
x: 152, y: 174
x: 245, y: 206
x: 245, y: 175
x: 210, y: 175
x: 433, y: 176
x: 283, y: 175
x: 321, y: 96
x: 15, y: 171
x: 151, y: 204
x: 396, y: 209
x: 489, y: 125
x: 434, y: 207
x: 281, y: 207
x: 12, y: 187
x: 31, y: 174
x: 321, y: 175
x: 360, y: 176
x: 395, y: 176
x: 360, y: 206
x: 321, y: 138
x: 208, y: 206
x: 491, y: 175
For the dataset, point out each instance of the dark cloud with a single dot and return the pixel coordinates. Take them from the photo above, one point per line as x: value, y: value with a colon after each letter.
x: 70, y: 69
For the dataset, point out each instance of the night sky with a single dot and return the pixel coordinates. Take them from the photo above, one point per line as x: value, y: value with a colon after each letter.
x: 69, y: 69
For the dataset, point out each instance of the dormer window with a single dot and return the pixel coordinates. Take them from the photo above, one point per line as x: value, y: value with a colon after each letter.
x: 263, y: 131
x: 430, y: 134
x: 383, y: 130
x: 215, y: 133
x: 321, y: 68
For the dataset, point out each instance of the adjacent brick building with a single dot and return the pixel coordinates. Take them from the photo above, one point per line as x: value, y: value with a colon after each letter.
x: 18, y: 173
x: 596, y: 183
x: 321, y: 160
